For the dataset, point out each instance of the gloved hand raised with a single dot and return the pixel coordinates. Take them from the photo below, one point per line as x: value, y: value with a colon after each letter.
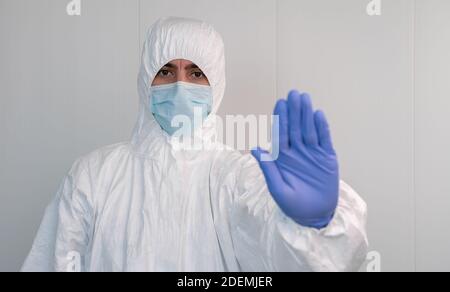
x: 304, y: 180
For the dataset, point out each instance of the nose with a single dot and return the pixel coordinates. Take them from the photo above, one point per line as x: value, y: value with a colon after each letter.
x: 181, y: 77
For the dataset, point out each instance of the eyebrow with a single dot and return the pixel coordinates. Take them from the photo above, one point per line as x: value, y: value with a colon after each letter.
x: 169, y: 65
x: 188, y: 67
x: 191, y: 66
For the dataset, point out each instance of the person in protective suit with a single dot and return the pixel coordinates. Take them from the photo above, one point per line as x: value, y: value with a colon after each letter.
x: 146, y: 205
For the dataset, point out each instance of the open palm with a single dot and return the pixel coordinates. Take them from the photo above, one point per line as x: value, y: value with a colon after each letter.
x: 304, y: 179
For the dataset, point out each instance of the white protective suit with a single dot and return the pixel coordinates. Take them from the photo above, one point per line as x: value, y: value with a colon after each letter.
x: 143, y: 206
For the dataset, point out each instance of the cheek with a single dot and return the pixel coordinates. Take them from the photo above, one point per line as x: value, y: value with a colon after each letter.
x: 199, y: 80
x: 155, y: 81
x: 206, y: 82
x: 159, y: 80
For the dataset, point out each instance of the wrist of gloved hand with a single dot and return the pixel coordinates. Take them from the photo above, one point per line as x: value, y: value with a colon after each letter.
x: 320, y: 223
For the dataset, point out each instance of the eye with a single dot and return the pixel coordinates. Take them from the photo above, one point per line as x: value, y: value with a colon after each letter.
x: 198, y: 74
x: 165, y: 73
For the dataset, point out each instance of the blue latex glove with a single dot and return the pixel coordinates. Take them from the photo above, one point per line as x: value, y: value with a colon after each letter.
x: 304, y: 180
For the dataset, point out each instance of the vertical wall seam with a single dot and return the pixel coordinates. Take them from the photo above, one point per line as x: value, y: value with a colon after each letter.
x: 139, y: 29
x: 276, y: 49
x: 414, y: 186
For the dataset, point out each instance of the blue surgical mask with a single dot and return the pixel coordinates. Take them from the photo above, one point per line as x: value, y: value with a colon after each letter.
x: 185, y: 104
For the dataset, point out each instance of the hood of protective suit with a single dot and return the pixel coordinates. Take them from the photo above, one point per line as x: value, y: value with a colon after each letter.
x: 167, y: 40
